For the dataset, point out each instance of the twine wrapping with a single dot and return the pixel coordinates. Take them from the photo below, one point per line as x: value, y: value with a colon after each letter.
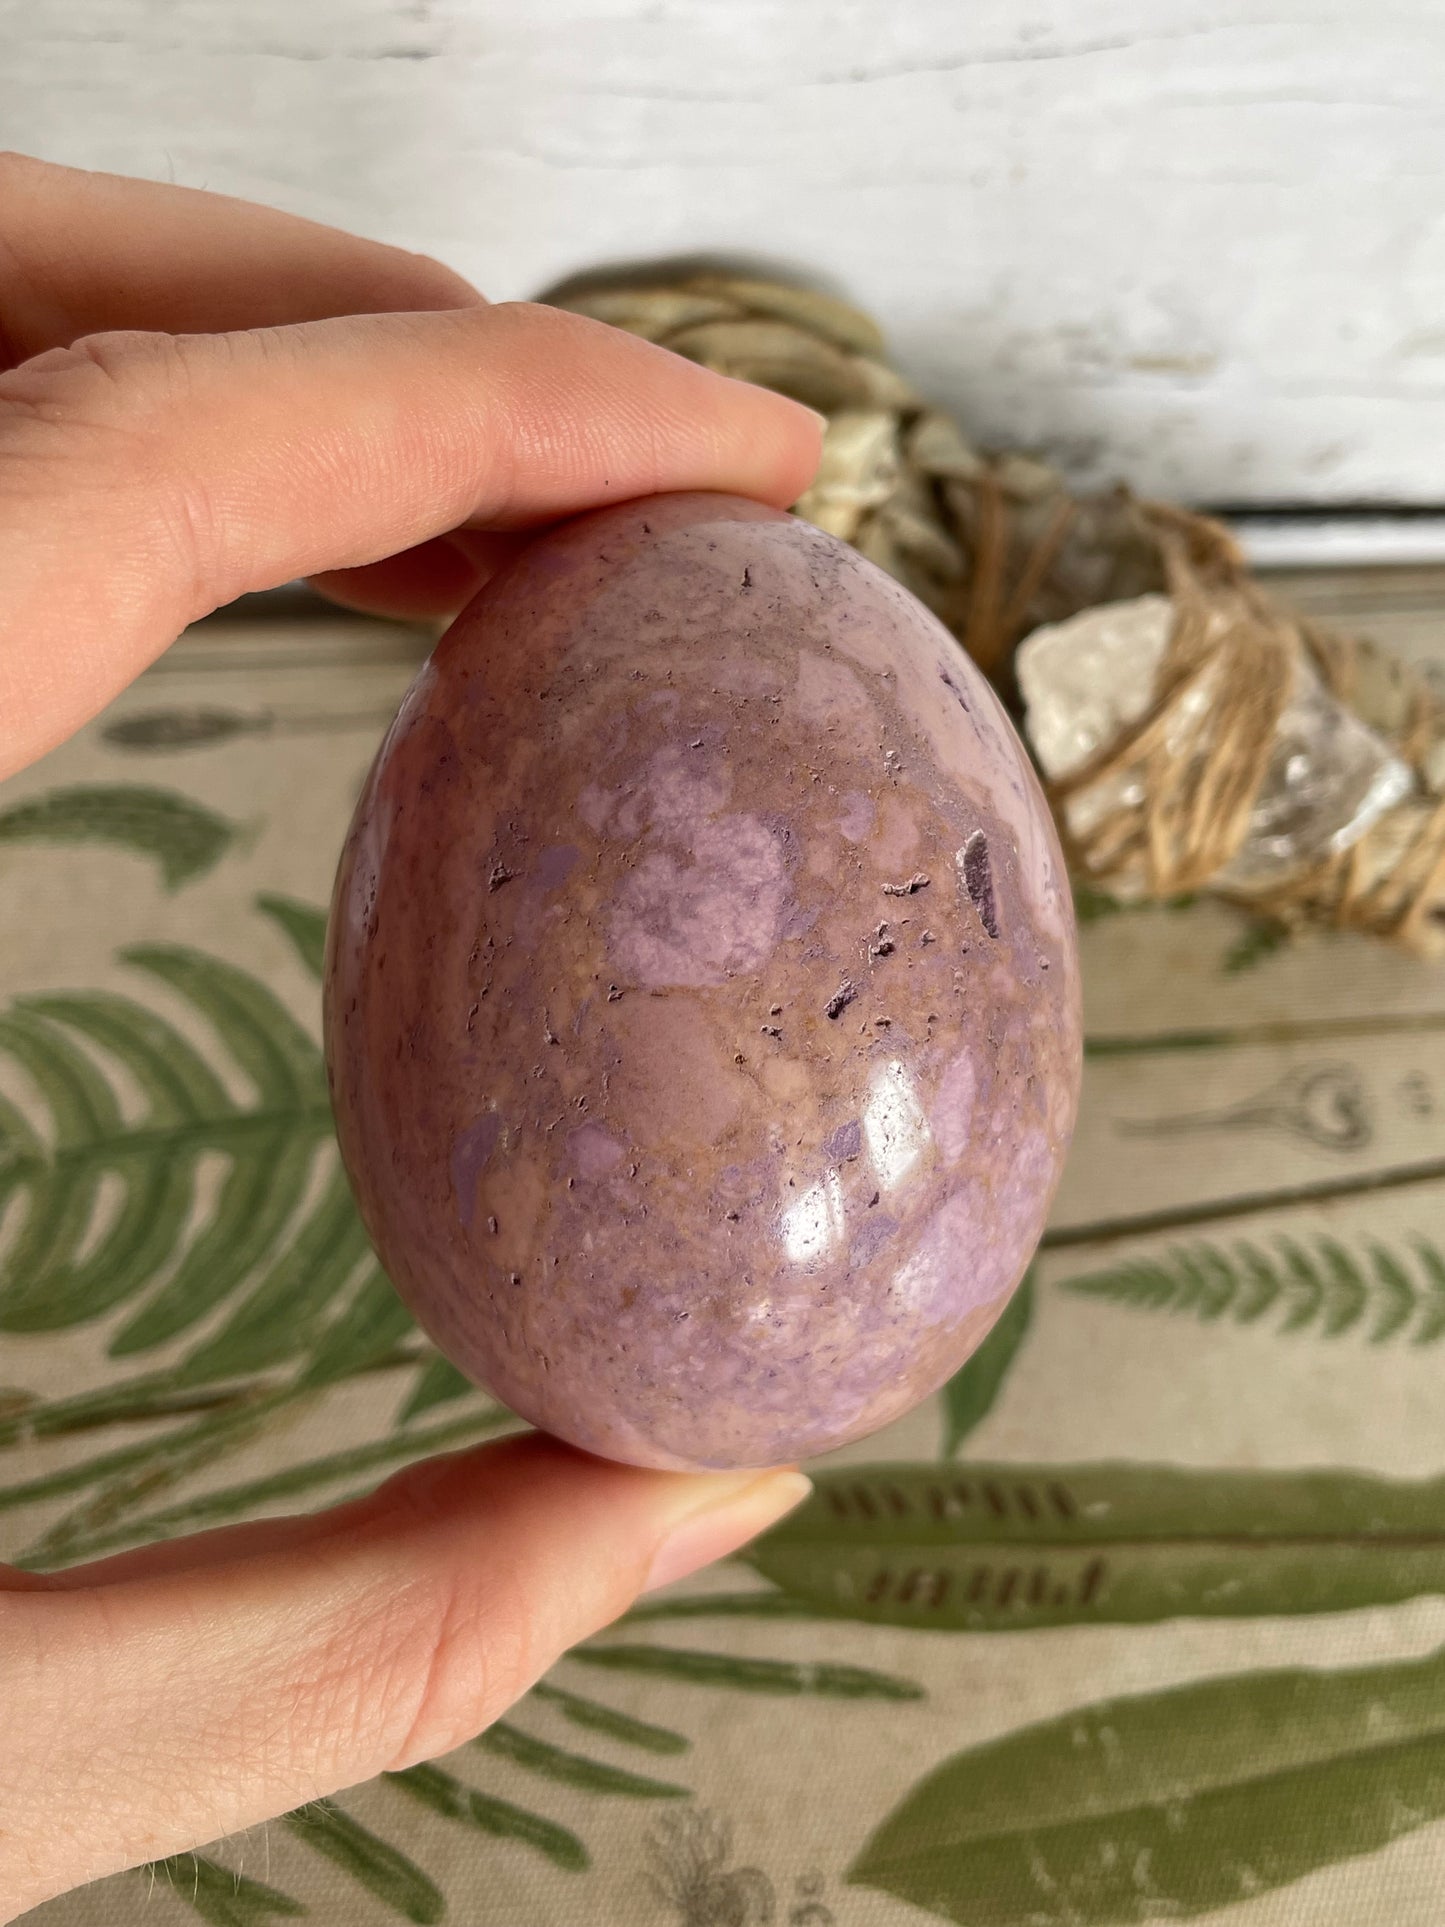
x: 997, y: 545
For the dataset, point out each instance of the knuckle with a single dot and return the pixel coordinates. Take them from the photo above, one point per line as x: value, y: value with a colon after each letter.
x: 462, y: 1657
x: 111, y: 386
x: 102, y: 420
x: 442, y: 1655
x: 131, y: 365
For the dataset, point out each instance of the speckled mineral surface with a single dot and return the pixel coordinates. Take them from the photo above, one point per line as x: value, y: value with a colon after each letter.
x: 702, y: 1001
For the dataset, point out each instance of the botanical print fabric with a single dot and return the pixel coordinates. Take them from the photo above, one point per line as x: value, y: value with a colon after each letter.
x: 1138, y: 1620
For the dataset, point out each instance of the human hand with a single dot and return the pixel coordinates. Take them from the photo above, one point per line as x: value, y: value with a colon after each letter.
x: 200, y: 398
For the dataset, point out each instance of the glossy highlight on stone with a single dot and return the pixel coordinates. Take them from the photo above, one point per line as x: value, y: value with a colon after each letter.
x: 702, y: 999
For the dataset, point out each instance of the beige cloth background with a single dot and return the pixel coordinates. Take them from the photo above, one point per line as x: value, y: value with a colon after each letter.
x: 1243, y: 1281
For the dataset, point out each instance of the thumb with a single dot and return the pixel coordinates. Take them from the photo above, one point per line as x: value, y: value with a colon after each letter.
x: 168, y: 1697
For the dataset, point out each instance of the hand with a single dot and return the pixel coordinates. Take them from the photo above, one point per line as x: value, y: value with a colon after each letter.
x: 200, y: 398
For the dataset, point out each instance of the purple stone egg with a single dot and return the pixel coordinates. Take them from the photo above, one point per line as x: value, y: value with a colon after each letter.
x: 702, y: 1002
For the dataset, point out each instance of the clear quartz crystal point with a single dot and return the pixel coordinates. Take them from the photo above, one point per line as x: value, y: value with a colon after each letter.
x: 1329, y: 779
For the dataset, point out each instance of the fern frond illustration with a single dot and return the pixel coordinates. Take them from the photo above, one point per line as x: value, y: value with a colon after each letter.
x: 451, y: 1797
x: 221, y: 1898
x: 141, y: 1181
x: 183, y: 837
x: 969, y: 1395
x: 375, y: 1864
x: 303, y: 924
x: 71, y: 1261
x: 1290, y: 1285
x: 1260, y: 938
x: 785, y: 1677
x: 168, y: 1173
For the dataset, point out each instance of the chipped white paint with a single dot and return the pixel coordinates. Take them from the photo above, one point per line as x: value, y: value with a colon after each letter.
x: 1197, y: 242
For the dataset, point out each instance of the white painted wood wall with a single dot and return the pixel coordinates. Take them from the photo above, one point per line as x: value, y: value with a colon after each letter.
x: 1199, y: 243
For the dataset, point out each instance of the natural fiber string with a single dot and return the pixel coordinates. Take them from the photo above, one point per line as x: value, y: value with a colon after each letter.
x: 1190, y: 768
x: 997, y: 545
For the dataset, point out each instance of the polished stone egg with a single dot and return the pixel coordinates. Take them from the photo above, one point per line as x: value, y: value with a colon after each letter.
x: 702, y: 1003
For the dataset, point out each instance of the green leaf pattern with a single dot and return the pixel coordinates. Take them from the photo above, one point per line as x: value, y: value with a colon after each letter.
x: 1171, y: 1804
x: 218, y: 1895
x: 1010, y: 1547
x: 181, y: 836
x: 969, y: 1395
x: 1321, y: 1286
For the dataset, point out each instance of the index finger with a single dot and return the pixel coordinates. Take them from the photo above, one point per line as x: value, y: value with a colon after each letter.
x: 146, y: 478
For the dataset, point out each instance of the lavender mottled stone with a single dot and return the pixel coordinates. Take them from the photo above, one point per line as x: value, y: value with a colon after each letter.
x: 702, y: 1001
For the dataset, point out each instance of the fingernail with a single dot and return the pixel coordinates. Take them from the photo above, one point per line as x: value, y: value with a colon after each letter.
x: 820, y: 418
x: 728, y: 1511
